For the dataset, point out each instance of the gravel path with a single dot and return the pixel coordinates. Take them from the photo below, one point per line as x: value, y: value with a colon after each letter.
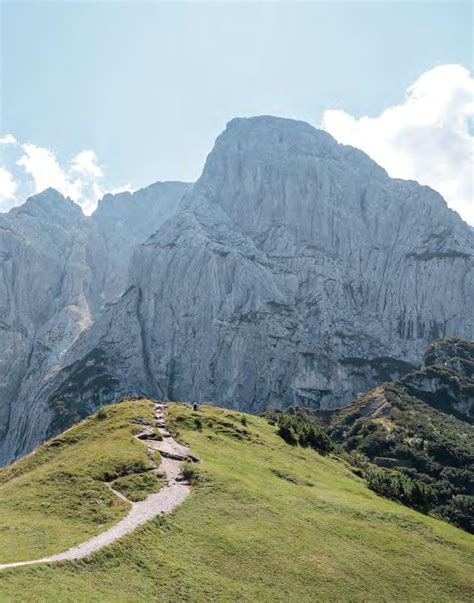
x: 164, y: 501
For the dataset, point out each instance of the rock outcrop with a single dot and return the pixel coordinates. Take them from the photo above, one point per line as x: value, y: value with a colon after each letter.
x: 446, y: 379
x: 294, y: 271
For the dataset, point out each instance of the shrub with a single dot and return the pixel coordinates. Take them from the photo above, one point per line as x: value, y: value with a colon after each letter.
x: 102, y: 414
x: 319, y: 440
x: 397, y: 486
x: 190, y: 473
x: 286, y: 432
x: 460, y: 512
x: 295, y: 430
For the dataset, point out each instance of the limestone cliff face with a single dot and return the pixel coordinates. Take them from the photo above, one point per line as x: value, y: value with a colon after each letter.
x: 298, y: 271
x: 57, y: 269
x: 294, y: 271
x: 128, y: 219
x: 47, y: 295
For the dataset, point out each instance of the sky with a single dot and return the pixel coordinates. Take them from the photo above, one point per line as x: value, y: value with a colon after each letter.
x: 107, y: 96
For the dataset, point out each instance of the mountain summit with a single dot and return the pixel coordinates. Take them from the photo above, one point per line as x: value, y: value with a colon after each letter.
x: 51, y: 206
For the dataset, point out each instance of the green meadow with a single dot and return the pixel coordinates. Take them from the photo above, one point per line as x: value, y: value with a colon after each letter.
x: 265, y: 522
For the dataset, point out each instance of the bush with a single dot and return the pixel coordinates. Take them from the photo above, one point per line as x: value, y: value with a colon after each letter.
x: 319, y: 440
x: 102, y: 414
x: 397, y: 486
x: 286, y: 432
x: 190, y: 473
x: 374, y: 444
x: 295, y: 430
x: 459, y: 511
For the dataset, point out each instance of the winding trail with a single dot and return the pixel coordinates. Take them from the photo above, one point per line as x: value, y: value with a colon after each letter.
x: 164, y: 501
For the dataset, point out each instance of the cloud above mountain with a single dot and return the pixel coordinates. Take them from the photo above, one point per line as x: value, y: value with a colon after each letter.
x: 26, y: 169
x: 428, y: 137
x: 8, y: 186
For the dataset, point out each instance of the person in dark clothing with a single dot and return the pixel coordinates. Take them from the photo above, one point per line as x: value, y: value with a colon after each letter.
x: 195, y: 406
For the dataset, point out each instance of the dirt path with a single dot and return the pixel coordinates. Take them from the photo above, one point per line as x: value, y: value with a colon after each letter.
x: 164, y: 501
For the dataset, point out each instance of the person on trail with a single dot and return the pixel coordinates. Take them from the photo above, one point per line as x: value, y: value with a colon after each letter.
x: 195, y: 406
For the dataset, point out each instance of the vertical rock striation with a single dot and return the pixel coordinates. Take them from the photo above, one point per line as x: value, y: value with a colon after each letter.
x: 57, y: 270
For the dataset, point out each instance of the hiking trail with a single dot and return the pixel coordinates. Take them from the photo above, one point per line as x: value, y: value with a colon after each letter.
x: 163, y: 502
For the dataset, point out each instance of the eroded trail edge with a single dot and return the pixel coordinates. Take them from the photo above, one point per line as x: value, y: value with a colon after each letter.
x: 165, y: 501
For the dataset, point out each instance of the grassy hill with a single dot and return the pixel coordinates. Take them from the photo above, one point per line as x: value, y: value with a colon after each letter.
x: 265, y: 522
x: 56, y: 496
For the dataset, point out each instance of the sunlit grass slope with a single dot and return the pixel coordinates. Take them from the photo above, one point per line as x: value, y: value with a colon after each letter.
x: 56, y: 497
x: 265, y: 522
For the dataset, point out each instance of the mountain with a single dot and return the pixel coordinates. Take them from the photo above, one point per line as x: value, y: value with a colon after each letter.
x: 48, y: 295
x: 264, y: 521
x: 413, y: 439
x: 293, y: 271
x: 57, y: 270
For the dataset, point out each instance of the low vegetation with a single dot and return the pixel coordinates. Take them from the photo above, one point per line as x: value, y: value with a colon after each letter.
x: 295, y: 430
x: 424, y: 457
x: 416, y: 449
x: 137, y: 487
x: 265, y: 522
x: 55, y: 498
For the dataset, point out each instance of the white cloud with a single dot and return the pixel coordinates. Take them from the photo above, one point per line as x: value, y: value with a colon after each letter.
x: 8, y: 186
x: 7, y: 139
x: 86, y: 163
x: 80, y: 179
x: 425, y: 138
x: 27, y: 169
x: 125, y: 188
x: 46, y: 172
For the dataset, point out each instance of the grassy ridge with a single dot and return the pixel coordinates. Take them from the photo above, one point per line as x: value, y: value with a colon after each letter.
x: 55, y: 497
x: 266, y: 522
x: 412, y: 439
x: 410, y: 442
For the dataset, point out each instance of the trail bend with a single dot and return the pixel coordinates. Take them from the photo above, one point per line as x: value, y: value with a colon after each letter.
x: 163, y: 502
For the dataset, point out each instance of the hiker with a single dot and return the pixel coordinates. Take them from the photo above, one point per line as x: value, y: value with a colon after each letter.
x: 195, y: 406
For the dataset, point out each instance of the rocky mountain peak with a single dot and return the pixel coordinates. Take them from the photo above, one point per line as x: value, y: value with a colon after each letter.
x: 271, y: 174
x: 267, y: 140
x: 265, y: 129
x: 155, y: 197
x: 51, y: 206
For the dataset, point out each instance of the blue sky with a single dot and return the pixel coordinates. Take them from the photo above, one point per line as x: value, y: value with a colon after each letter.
x: 148, y: 85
